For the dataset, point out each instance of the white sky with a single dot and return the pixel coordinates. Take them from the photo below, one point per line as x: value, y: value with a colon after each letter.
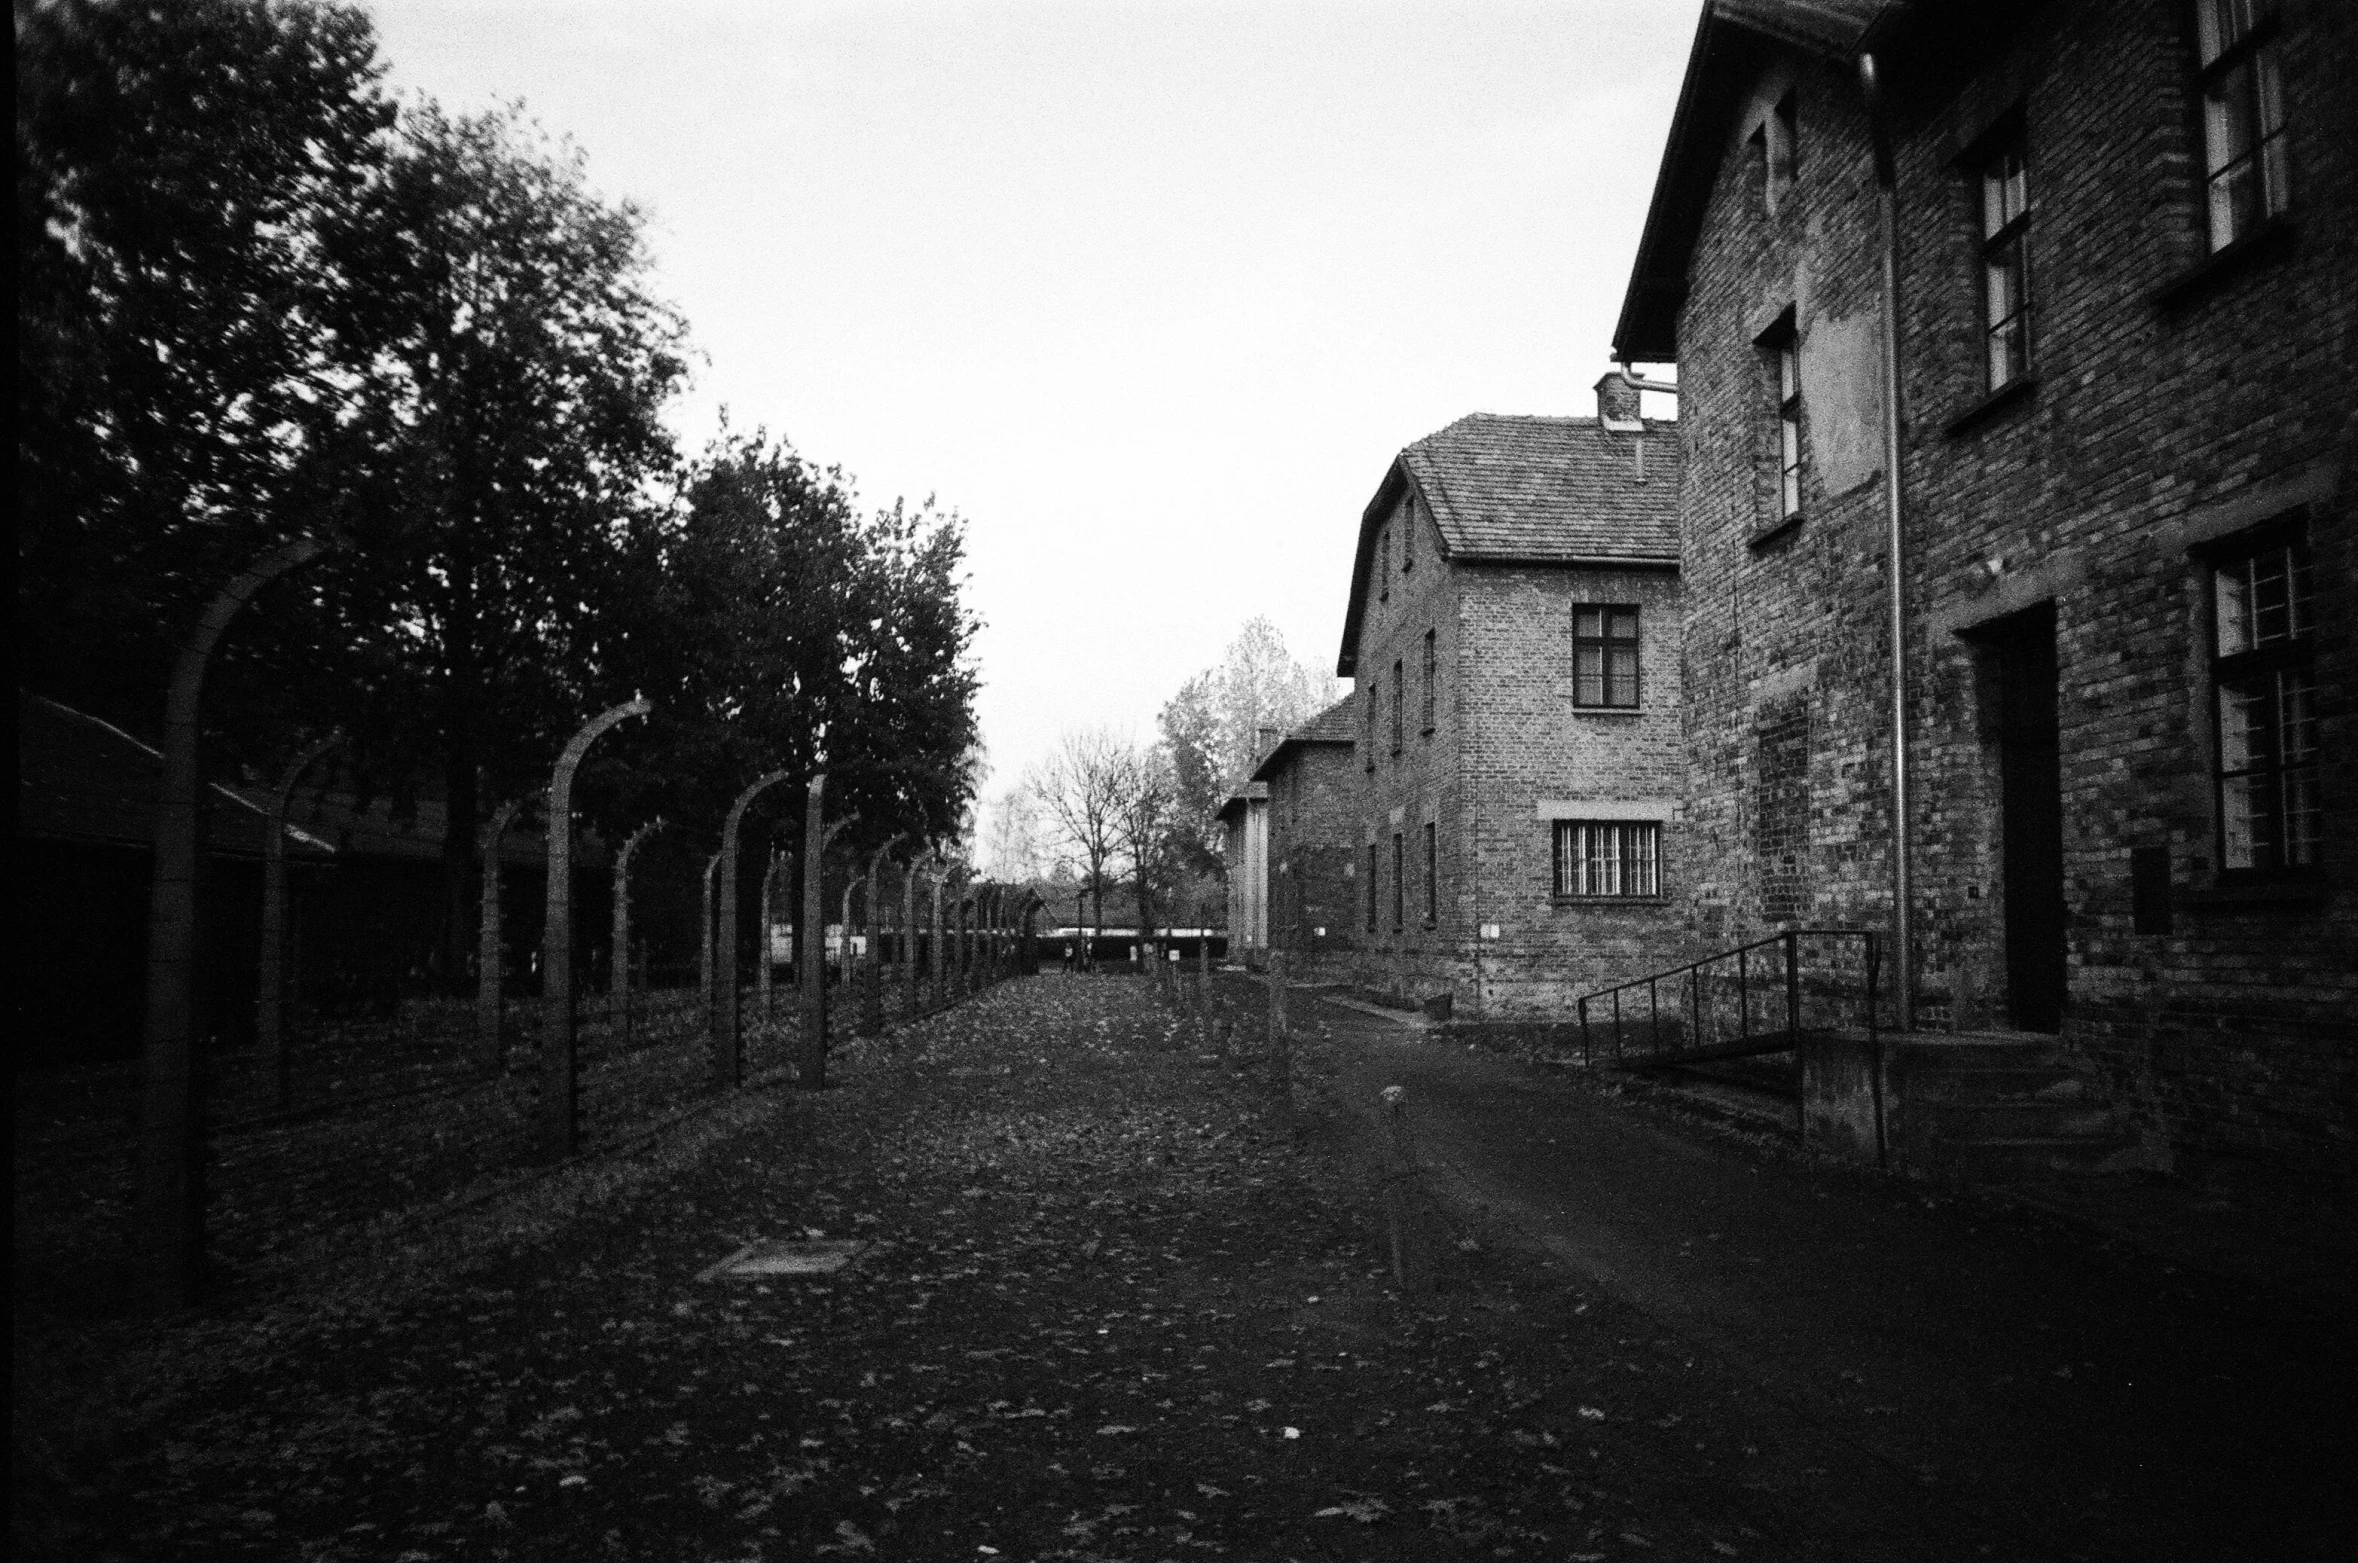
x: 1150, y: 293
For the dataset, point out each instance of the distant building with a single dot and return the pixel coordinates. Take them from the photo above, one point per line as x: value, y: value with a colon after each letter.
x: 2126, y: 576
x: 1513, y: 631
x: 1313, y: 787
x: 1246, y: 816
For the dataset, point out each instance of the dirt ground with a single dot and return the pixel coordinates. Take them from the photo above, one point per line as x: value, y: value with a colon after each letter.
x: 1115, y: 1304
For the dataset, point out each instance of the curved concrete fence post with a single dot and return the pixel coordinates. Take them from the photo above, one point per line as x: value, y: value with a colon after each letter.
x: 618, y: 979
x: 727, y: 1060
x: 872, y: 992
x: 560, y: 1077
x: 811, y: 937
x: 170, y: 1213
x: 704, y: 942
x: 270, y: 1032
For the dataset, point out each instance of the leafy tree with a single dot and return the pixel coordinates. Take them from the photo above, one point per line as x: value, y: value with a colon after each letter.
x: 1212, y: 728
x: 780, y: 628
x: 504, y: 440
x: 185, y: 176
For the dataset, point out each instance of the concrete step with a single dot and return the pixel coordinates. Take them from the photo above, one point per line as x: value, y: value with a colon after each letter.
x: 2024, y: 1158
x: 1965, y: 1121
x: 2000, y: 1082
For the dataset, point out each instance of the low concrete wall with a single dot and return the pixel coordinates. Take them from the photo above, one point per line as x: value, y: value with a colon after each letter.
x: 1844, y: 1098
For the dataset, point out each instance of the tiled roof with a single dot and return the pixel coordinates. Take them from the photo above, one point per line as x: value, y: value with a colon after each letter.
x: 1506, y: 487
x: 1330, y: 726
x: 1526, y: 488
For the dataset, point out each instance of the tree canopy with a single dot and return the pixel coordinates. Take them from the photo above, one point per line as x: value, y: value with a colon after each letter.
x: 256, y: 299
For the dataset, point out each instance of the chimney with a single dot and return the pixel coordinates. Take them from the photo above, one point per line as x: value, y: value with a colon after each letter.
x: 1617, y: 399
x: 1266, y: 738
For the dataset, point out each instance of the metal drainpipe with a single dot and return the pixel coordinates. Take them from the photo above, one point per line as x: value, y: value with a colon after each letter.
x: 1902, y: 835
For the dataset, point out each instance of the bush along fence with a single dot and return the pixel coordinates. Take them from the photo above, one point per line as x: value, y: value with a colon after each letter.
x: 336, y: 1107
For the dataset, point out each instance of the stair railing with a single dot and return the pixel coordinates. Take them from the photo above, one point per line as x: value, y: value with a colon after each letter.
x: 1693, y: 1011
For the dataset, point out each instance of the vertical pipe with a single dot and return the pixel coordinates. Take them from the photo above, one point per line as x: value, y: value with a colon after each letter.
x: 1903, y: 888
x: 1793, y: 986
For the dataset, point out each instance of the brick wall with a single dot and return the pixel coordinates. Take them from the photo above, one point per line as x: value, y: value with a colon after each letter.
x: 1504, y: 739
x: 2173, y: 405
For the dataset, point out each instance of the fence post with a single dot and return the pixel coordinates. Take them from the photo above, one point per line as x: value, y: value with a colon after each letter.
x: 908, y: 963
x: 490, y: 1018
x: 171, y: 1203
x: 872, y: 998
x: 1281, y: 1042
x: 1412, y: 1266
x: 618, y: 980
x: 270, y: 997
x: 560, y: 1076
x: 727, y: 1051
x: 704, y: 944
x: 811, y: 938
x: 763, y: 978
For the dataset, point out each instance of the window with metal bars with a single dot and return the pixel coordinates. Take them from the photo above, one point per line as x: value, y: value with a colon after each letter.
x: 2264, y: 684
x: 1605, y: 656
x: 1370, y: 722
x: 1371, y: 887
x: 2005, y: 260
x: 2247, y: 169
x: 1604, y: 859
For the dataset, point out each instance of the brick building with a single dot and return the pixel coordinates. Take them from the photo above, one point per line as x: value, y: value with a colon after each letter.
x: 1512, y: 628
x: 2124, y: 245
x: 1312, y: 782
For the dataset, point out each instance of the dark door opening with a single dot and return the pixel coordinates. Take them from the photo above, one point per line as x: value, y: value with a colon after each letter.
x: 2030, y: 774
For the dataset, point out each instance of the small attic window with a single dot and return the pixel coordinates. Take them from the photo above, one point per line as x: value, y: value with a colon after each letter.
x: 1383, y: 564
x: 1408, y: 534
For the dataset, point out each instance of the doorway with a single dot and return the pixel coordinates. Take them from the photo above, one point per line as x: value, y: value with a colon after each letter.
x: 2030, y: 816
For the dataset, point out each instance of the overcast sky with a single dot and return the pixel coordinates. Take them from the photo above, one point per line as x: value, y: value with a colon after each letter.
x: 1150, y: 293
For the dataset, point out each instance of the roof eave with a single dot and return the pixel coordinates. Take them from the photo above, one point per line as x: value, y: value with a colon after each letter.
x: 1647, y: 330
x: 1386, y: 495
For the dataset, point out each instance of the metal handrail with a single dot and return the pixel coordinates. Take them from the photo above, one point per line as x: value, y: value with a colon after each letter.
x: 1696, y: 1004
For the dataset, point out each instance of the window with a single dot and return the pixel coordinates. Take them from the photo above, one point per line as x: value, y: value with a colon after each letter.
x: 1371, y: 887
x: 2247, y: 175
x: 2005, y: 261
x: 1432, y: 877
x: 1408, y: 534
x: 1784, y: 149
x: 1399, y: 889
x: 1399, y: 705
x: 1605, y: 657
x: 2267, y: 707
x: 1383, y: 564
x: 1606, y: 858
x: 1788, y: 425
x: 1373, y: 694
x: 1430, y: 659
